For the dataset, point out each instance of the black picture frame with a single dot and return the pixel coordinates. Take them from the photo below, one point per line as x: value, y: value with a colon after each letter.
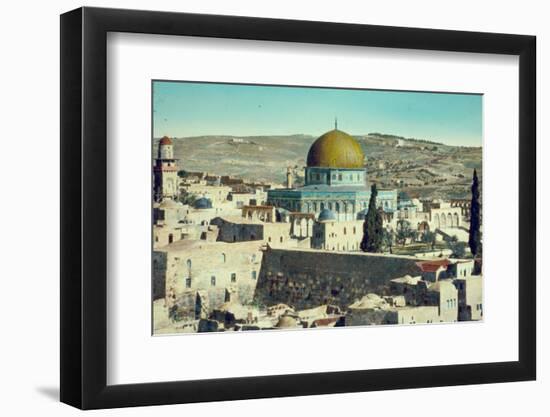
x: 84, y: 207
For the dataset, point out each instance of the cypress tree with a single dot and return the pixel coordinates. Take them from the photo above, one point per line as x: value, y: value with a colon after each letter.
x: 372, y: 227
x: 474, y: 240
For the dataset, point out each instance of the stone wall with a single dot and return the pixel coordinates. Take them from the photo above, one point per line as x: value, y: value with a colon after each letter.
x: 306, y: 278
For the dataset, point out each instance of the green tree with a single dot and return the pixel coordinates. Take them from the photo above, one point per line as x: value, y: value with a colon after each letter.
x: 474, y: 239
x: 387, y: 239
x: 404, y: 231
x: 186, y: 198
x: 372, y: 227
x: 429, y: 237
x: 458, y: 248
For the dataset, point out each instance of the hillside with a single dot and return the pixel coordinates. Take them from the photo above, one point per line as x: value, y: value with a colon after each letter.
x: 419, y: 167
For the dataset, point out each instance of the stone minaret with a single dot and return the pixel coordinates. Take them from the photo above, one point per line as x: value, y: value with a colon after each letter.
x: 289, y: 177
x: 165, y: 172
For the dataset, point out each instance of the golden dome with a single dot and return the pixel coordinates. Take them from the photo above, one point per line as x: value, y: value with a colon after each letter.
x: 335, y: 149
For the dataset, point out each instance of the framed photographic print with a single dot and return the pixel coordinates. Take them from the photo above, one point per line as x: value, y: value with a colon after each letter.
x: 258, y: 207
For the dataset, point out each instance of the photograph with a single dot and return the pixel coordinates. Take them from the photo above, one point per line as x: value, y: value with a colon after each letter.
x: 280, y: 208
x: 305, y: 207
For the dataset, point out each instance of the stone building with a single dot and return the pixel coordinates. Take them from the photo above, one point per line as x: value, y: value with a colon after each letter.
x: 369, y: 310
x: 169, y: 212
x: 173, y: 221
x: 240, y: 229
x: 321, y: 316
x: 203, y: 211
x: 444, y: 295
x: 428, y: 215
x: 256, y: 198
x: 217, y: 194
x: 335, y: 179
x: 165, y: 172
x: 445, y: 217
x: 217, y: 268
x: 464, y: 204
x: 167, y: 216
x: 434, y: 269
x: 470, y: 297
x: 375, y: 310
x: 329, y: 234
x: 261, y: 213
x: 449, y: 285
x: 462, y: 268
x: 414, y: 315
x: 412, y: 289
x: 165, y: 235
x: 302, y: 224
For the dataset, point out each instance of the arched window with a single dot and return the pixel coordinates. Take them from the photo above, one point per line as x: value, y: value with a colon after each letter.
x: 170, y: 238
x: 189, y: 264
x: 224, y: 258
x: 345, y: 231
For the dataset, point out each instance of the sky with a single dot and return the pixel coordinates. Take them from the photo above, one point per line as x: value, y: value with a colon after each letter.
x: 183, y: 109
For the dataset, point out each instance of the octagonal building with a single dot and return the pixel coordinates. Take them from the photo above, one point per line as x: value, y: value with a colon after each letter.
x: 335, y: 179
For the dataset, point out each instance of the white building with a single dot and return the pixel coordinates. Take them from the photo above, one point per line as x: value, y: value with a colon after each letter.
x: 329, y: 234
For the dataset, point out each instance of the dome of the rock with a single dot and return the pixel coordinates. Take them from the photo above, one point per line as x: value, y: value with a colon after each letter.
x: 336, y: 149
